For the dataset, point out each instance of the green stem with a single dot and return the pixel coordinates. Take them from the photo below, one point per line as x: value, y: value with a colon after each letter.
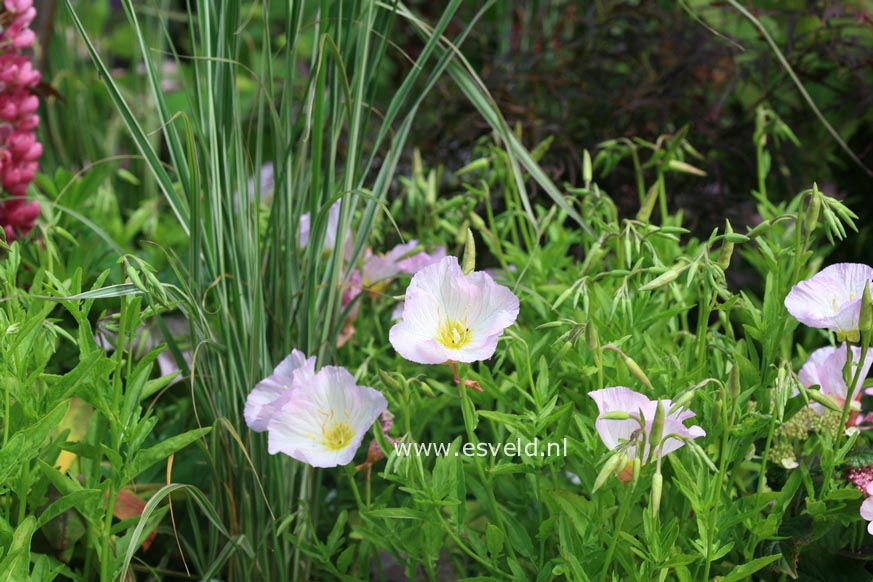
x: 463, y: 547
x: 496, y: 515
x: 765, y: 457
x: 622, y: 514
x: 727, y: 424
x: 844, y: 415
x: 662, y: 198
x: 106, y: 563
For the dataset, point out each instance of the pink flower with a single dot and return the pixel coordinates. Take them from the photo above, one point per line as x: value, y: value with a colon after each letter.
x: 323, y: 421
x: 450, y: 316
x: 415, y: 263
x: 867, y: 508
x: 824, y: 368
x: 19, y: 149
x: 380, y: 268
x: 272, y: 392
x: 831, y: 299
x: 17, y: 5
x: 628, y: 434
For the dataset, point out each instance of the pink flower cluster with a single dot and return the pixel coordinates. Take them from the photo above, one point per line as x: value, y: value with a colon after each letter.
x: 19, y: 149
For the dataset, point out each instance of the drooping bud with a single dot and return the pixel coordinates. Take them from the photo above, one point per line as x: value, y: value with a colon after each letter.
x: 607, y: 470
x: 664, y: 278
x: 632, y: 366
x: 824, y: 400
x: 616, y: 415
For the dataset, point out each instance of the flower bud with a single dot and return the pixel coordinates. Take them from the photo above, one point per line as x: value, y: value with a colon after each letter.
x: 682, y: 402
x: 760, y: 229
x: 657, y: 427
x: 616, y: 415
x: 657, y: 486
x: 727, y: 248
x: 633, y: 367
x: 606, y: 471
x: 814, y: 209
x: 734, y: 386
x: 469, y: 264
x: 825, y: 400
x: 587, y: 174
x: 593, y: 341
x: 667, y: 277
x: 865, y: 320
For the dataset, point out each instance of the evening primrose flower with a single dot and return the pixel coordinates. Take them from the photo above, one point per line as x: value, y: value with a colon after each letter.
x: 824, y: 368
x: 380, y: 268
x: 272, y: 392
x: 452, y: 317
x: 323, y: 421
x: 831, y: 299
x: 628, y: 434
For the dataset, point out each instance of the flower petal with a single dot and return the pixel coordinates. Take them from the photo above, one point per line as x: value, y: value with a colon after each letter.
x: 867, y: 509
x: 259, y: 407
x: 298, y: 428
x: 831, y: 298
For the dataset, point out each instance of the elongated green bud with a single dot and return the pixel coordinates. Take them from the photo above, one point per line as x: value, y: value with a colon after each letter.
x: 682, y: 402
x: 671, y: 275
x: 389, y: 381
x: 474, y: 166
x: 736, y: 237
x: 477, y: 221
x: 637, y: 467
x: 606, y: 471
x: 734, y: 386
x: 824, y: 400
x: 657, y: 486
x: 469, y: 253
x: 657, y: 427
x: 593, y: 341
x: 587, y: 174
x: 648, y: 204
x: 685, y: 168
x: 727, y: 248
x: 814, y: 210
x: 633, y: 367
x: 616, y: 415
x: 566, y: 347
x: 761, y: 229
x: 865, y: 321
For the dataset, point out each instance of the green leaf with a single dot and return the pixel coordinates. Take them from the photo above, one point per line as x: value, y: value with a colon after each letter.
x: 15, y: 566
x: 494, y: 539
x: 148, y: 457
x: 745, y: 571
x: 26, y: 444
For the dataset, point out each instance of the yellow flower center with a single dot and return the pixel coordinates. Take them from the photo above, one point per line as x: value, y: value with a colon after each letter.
x: 453, y: 334
x: 337, y: 436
